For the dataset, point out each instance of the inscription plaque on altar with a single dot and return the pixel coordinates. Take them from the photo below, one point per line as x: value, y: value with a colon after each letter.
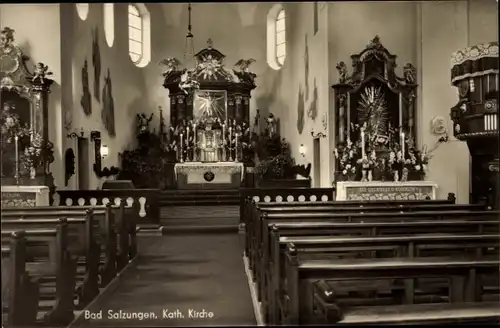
x: 24, y: 196
x: 381, y: 190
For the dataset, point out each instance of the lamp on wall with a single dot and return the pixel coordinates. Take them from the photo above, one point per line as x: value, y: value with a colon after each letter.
x: 302, y: 150
x: 104, y: 151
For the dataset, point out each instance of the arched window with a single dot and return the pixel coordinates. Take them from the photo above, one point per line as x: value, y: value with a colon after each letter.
x: 139, y: 34
x: 82, y: 9
x: 280, y: 37
x: 276, y: 37
x: 109, y: 23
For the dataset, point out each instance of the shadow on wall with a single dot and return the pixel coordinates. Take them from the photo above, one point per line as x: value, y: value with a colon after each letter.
x: 96, y: 63
x: 306, y: 69
x: 265, y: 101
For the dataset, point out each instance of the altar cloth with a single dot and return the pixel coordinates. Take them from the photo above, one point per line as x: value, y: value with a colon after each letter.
x: 386, y: 190
x: 20, y: 196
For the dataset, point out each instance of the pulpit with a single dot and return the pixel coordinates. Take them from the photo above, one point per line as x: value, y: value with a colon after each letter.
x: 475, y: 117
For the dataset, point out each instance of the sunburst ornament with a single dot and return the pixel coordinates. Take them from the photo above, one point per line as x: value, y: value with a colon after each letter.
x: 209, y: 67
x: 372, y: 112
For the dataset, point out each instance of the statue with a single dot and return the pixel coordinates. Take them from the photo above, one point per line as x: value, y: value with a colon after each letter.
x: 373, y: 113
x: 143, y: 123
x: 343, y: 74
x: 171, y: 63
x: 271, y: 125
x: 243, y: 64
x: 409, y: 74
x: 6, y: 37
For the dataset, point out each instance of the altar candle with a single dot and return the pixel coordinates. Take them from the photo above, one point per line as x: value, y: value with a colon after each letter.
x: 182, y: 146
x: 402, y: 144
x: 16, y: 139
x: 194, y: 136
x: 223, y: 134
x: 187, y: 134
x: 363, y: 143
x: 236, y: 148
x: 230, y: 135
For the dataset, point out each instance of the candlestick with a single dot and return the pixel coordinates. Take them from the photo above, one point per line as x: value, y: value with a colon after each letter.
x: 194, y: 143
x: 363, y: 143
x: 236, y: 148
x: 182, y: 149
x: 224, y: 141
x: 402, y: 144
x: 16, y: 175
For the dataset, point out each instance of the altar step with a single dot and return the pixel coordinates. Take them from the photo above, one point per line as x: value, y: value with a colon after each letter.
x: 199, y: 219
x: 199, y: 197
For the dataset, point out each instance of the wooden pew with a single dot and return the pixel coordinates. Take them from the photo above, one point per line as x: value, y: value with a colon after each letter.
x: 334, y: 247
x: 256, y: 210
x: 52, y: 245
x: 121, y: 218
x: 299, y: 272
x: 144, y: 201
x: 317, y: 197
x: 247, y: 195
x: 260, y: 229
x: 19, y: 289
x: 82, y: 242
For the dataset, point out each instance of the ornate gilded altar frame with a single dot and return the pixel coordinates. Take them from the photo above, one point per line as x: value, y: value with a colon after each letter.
x: 375, y: 66
x: 15, y: 76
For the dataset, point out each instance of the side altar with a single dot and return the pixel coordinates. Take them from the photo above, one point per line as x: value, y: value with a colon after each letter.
x: 26, y: 150
x: 377, y: 157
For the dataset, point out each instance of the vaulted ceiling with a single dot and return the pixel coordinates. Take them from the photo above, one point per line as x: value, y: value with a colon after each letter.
x: 176, y: 13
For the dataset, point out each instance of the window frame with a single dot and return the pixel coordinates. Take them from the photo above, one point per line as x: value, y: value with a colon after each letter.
x: 141, y: 30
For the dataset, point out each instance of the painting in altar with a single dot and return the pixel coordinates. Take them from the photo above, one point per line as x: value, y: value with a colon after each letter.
x: 210, y: 105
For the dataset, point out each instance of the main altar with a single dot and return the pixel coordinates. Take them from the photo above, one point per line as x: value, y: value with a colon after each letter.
x: 376, y: 156
x: 209, y: 113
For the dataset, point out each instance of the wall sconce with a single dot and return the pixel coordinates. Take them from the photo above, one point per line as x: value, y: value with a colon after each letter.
x: 104, y: 151
x: 302, y: 150
x: 95, y: 137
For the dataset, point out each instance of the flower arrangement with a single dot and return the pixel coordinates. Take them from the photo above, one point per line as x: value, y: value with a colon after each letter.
x: 384, y: 159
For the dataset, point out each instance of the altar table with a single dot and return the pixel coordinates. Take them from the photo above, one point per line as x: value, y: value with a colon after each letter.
x: 385, y: 190
x: 25, y: 196
x: 218, y: 175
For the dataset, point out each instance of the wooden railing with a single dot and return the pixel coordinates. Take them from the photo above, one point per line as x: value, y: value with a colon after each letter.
x: 284, y: 195
x: 146, y: 200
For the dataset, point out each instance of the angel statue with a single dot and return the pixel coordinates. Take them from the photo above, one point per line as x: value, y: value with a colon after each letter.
x: 41, y: 70
x: 143, y: 122
x: 244, y: 64
x: 6, y: 37
x: 409, y: 74
x: 171, y: 64
x: 343, y: 74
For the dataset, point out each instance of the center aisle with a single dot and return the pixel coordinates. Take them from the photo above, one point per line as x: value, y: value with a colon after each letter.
x: 183, y: 275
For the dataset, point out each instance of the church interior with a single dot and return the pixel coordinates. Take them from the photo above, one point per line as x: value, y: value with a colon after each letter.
x: 250, y: 163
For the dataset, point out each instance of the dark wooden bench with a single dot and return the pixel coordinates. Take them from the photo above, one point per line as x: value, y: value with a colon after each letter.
x: 317, y: 197
x: 48, y: 256
x: 295, y: 305
x: 144, y: 201
x: 256, y: 210
x: 117, y: 223
x: 260, y: 229
x: 20, y: 290
x: 82, y: 234
x: 248, y: 195
x: 335, y: 247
